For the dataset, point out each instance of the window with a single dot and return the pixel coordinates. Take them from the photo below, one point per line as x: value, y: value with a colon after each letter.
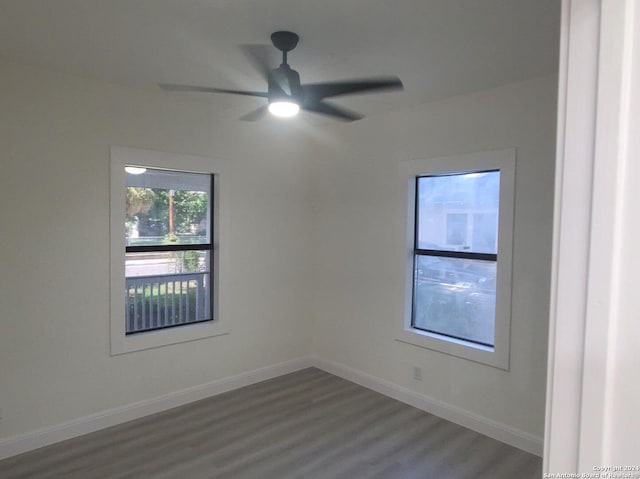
x: 455, y: 255
x: 459, y: 255
x: 165, y: 257
x: 168, y: 248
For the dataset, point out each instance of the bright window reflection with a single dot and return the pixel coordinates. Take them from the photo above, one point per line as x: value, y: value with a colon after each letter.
x: 454, y: 290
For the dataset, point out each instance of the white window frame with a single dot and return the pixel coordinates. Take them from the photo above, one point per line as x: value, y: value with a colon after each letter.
x: 504, y: 161
x: 120, y: 343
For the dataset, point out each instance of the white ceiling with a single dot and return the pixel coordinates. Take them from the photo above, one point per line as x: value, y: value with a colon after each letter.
x: 439, y: 48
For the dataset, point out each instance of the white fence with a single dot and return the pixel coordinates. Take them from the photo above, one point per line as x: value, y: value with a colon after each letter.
x: 160, y: 301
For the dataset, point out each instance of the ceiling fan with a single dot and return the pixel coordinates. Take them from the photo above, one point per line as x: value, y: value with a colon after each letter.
x: 286, y: 95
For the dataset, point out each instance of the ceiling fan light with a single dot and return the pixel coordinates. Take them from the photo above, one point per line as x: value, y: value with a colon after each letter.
x: 134, y: 170
x: 284, y: 109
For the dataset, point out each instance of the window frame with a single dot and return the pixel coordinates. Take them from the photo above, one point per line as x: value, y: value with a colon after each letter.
x: 120, y: 342
x: 500, y: 160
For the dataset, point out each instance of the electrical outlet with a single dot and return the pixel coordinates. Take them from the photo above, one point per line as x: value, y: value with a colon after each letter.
x: 417, y: 373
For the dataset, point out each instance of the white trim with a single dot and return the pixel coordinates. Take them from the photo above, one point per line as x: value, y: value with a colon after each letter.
x: 505, y: 161
x: 607, y: 223
x: 572, y: 210
x: 463, y: 417
x: 595, y: 82
x: 94, y: 422
x: 120, y: 156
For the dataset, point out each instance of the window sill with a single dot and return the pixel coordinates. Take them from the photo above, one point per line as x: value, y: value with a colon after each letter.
x: 454, y: 347
x: 123, y: 344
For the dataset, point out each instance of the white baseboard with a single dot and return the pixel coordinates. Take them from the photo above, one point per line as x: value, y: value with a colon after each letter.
x: 483, y: 425
x: 94, y: 422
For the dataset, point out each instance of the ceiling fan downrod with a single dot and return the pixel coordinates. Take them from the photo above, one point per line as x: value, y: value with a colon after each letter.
x: 285, y: 42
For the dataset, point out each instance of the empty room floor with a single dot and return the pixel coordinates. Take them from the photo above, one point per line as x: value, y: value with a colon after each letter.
x: 308, y: 424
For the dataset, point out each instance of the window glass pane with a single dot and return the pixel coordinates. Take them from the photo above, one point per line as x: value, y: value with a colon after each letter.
x: 455, y: 297
x: 459, y: 212
x: 167, y: 207
x: 166, y: 289
x: 485, y: 229
x: 456, y: 229
x: 166, y: 262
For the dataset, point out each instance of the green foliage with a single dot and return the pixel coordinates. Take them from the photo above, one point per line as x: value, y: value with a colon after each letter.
x: 186, y: 261
x: 138, y: 200
x: 191, y: 260
x: 151, y: 208
x: 170, y: 238
x: 190, y: 207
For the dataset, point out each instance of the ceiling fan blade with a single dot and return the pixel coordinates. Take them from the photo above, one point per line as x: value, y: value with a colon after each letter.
x: 319, y: 91
x: 205, y: 89
x: 255, y: 115
x: 331, y: 110
x: 261, y: 57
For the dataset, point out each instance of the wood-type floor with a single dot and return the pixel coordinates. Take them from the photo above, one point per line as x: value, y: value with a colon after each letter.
x: 308, y: 424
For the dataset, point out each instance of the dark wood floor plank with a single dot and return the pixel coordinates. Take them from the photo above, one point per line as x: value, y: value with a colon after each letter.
x: 308, y: 424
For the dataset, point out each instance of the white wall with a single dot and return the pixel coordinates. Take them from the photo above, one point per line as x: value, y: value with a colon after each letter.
x: 55, y: 134
x: 359, y: 246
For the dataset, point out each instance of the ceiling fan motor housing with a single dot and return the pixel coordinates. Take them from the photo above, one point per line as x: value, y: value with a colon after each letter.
x: 284, y: 85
